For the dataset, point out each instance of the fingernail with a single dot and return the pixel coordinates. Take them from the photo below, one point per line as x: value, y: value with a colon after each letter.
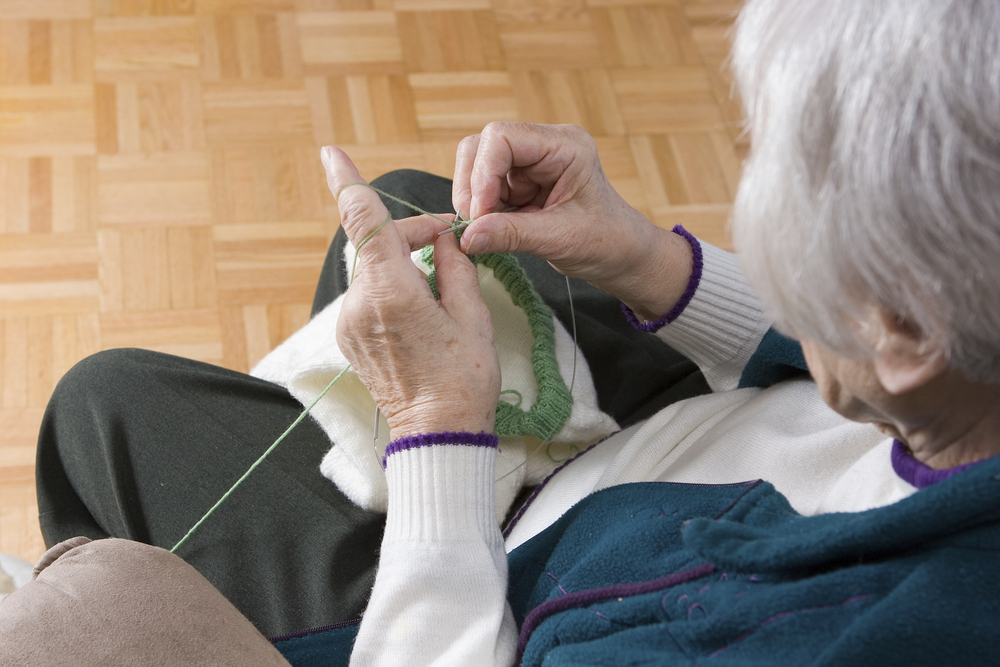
x: 478, y: 243
x: 325, y: 154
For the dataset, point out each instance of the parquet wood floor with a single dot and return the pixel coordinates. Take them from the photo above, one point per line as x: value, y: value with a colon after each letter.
x: 160, y: 182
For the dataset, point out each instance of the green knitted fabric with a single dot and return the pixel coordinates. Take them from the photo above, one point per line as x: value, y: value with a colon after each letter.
x: 554, y: 402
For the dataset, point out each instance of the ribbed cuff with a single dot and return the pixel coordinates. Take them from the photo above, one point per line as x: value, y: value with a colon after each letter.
x: 443, y: 492
x: 692, y: 287
x: 723, y: 324
x: 481, y: 439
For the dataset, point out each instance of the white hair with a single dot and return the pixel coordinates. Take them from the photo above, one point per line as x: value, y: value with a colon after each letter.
x: 874, y: 172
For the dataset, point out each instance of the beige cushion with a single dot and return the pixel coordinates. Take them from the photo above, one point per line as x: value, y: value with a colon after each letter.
x: 115, y: 602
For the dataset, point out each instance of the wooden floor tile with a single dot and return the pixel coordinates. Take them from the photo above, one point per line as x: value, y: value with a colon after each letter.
x: 36, y: 52
x: 265, y: 111
x: 55, y: 273
x: 187, y: 333
x: 350, y: 43
x: 455, y: 104
x: 581, y: 97
x: 160, y: 46
x: 168, y: 188
x: 668, y: 99
x: 362, y: 109
x: 268, y: 184
x: 143, y: 7
x: 150, y: 116
x: 645, y: 36
x: 562, y: 44
x: 46, y: 120
x: 438, y: 5
x: 443, y: 41
x: 250, y: 46
x: 267, y: 263
x: 46, y: 9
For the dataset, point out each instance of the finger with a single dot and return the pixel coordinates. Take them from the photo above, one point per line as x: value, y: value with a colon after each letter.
x: 421, y: 230
x: 506, y: 146
x: 458, y: 282
x: 461, y: 188
x: 361, y: 210
x: 488, y: 179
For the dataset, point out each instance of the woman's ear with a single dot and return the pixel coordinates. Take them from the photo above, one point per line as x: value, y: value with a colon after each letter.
x: 905, y: 358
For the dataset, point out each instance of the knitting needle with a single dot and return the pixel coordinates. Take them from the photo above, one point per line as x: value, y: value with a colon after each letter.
x: 462, y: 224
x: 454, y: 229
x: 457, y: 224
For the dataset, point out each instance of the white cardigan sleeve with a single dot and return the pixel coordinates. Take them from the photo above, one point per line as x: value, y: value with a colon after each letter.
x: 722, y: 325
x: 440, y: 592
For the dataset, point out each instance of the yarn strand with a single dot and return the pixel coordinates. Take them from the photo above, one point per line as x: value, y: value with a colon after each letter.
x: 256, y: 463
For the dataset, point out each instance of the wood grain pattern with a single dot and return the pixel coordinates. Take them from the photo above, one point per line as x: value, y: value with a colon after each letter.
x: 160, y: 184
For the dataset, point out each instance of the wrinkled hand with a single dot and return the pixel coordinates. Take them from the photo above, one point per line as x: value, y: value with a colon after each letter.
x: 568, y: 214
x: 430, y: 365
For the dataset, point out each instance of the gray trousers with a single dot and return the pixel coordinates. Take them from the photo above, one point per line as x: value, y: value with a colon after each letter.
x: 138, y: 445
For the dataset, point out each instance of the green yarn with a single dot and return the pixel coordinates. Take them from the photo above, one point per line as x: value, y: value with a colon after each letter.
x: 256, y: 464
x: 554, y: 403
x: 357, y: 253
x: 427, y: 257
x: 520, y: 398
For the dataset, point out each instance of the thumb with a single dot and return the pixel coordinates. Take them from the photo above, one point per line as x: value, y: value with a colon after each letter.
x: 531, y: 230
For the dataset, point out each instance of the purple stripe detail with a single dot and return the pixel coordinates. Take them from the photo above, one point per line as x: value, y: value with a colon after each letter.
x: 538, y: 489
x: 593, y: 596
x: 696, y: 268
x: 743, y: 495
x: 481, y: 439
x: 313, y: 631
x: 920, y: 474
x: 786, y: 614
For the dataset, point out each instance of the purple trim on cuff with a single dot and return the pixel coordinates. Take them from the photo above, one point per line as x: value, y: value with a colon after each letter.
x: 466, y: 438
x: 595, y: 595
x: 696, y: 268
x: 919, y: 474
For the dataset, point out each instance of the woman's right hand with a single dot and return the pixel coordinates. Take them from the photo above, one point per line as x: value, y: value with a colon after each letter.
x: 567, y: 213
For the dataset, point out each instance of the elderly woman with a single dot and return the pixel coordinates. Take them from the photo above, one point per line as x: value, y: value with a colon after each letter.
x: 867, y: 224
x: 868, y: 221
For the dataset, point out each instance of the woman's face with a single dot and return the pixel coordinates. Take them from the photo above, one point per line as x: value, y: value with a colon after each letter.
x: 851, y: 387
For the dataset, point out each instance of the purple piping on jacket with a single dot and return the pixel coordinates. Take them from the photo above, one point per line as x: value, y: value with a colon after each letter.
x: 917, y: 474
x: 692, y: 286
x: 593, y: 596
x: 538, y: 489
x: 312, y: 631
x: 753, y: 485
x: 465, y: 438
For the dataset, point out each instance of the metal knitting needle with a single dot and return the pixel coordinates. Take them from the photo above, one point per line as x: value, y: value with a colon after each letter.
x: 457, y: 223
x: 454, y: 229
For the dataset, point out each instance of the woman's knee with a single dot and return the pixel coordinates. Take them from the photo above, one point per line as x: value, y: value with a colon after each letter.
x: 96, y: 374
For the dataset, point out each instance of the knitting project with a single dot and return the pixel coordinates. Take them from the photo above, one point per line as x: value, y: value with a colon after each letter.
x: 536, y: 359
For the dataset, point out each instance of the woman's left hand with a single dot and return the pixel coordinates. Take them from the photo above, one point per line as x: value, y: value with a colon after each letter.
x: 430, y: 365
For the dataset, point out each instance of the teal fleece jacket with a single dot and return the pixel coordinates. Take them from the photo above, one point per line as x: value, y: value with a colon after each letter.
x: 673, y: 574
x: 677, y: 574
x: 704, y: 575
x: 680, y: 574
